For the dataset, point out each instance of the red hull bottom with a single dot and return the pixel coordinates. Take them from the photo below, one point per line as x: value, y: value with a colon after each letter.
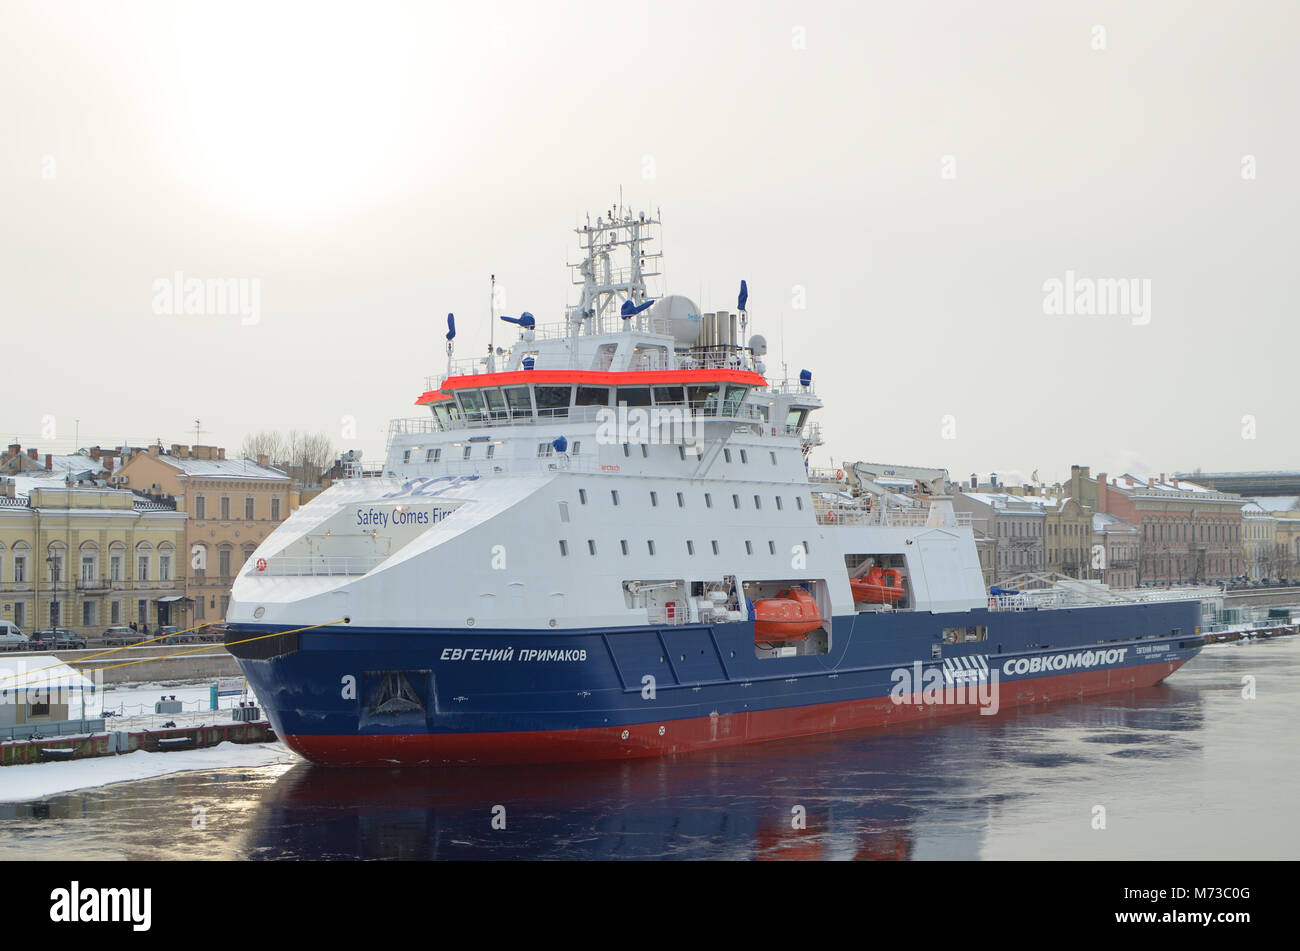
x: 697, y: 733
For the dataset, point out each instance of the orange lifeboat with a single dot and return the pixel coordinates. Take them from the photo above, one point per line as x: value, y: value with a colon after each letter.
x: 790, y: 616
x: 880, y: 586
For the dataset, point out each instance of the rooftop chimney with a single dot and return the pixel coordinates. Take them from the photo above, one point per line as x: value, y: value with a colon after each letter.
x: 32, y: 453
x: 1102, y: 488
x: 263, y: 460
x: 221, y: 452
x: 49, y: 462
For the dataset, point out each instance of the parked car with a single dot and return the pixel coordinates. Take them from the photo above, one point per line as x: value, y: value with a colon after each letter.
x: 59, y: 638
x: 122, y: 637
x: 12, y: 637
x: 171, y: 636
x: 213, y: 634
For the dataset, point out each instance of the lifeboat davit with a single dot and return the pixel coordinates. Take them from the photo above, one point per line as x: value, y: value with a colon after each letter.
x: 880, y: 586
x: 790, y: 616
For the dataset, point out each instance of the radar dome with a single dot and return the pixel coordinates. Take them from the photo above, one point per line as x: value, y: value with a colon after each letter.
x: 758, y: 344
x: 683, y: 318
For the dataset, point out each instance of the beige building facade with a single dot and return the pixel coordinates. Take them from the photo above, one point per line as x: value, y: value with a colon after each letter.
x: 87, y: 557
x: 231, y: 506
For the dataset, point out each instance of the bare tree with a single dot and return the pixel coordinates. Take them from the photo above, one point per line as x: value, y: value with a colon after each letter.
x: 269, y: 442
x: 304, y: 456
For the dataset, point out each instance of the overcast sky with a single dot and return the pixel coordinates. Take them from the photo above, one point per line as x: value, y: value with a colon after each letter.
x: 922, y: 171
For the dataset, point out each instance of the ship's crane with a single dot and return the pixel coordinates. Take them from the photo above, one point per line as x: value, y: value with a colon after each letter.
x: 865, y: 477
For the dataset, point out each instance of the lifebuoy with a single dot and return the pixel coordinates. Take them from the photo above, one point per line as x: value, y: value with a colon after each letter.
x: 839, y: 475
x: 830, y: 517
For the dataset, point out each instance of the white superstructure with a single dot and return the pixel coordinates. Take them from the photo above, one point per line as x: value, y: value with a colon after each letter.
x: 629, y: 465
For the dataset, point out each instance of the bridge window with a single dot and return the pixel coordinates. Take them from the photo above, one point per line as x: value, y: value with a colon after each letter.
x: 471, y: 404
x: 634, y: 395
x: 735, y: 397
x: 519, y: 401
x: 495, y: 404
x: 669, y: 396
x: 553, y: 401
x: 592, y: 396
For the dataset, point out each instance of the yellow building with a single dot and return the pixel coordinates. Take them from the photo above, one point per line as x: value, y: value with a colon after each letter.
x: 87, y: 557
x: 1068, y: 540
x: 231, y: 504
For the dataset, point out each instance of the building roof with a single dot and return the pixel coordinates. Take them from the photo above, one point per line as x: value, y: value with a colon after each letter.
x: 1010, y: 504
x: 223, y: 468
x: 43, y: 675
x: 1275, y: 503
x: 1105, y: 522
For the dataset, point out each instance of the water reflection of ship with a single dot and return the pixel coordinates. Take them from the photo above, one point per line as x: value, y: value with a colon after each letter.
x: 906, y: 793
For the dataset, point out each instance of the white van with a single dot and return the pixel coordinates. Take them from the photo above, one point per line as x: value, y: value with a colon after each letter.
x: 12, y: 637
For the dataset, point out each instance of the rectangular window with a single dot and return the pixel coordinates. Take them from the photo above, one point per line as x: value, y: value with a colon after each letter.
x: 553, y: 401
x: 223, y: 561
x: 735, y: 500
x: 275, y: 510
x: 199, y: 606
x: 749, y: 548
x: 758, y: 503
x: 744, y: 456
x: 491, y: 450
x: 577, y: 447
x: 773, y: 455
x: 690, y: 547
x: 200, y: 507
x: 543, y: 449
x: 591, y: 396
x: 965, y: 635
x: 520, y: 403
x: 165, y: 567
x: 564, y: 547
x: 779, y: 504
x: 623, y: 545
x: 681, y: 452
x: 627, y: 450
x: 20, y: 568
x: 650, y: 546
x: 142, y: 568
x: 248, y: 509
x: 87, y: 613
x: 467, y: 452
x: 87, y: 568
x: 771, y: 548
x: 225, y: 508
x: 115, y: 613
x: 613, y: 494
x: 654, y: 499
x: 432, y: 455
x: 582, y: 496
x: 715, y: 546
x: 806, y: 549
x: 645, y: 451
x: 681, y: 501
x: 708, y: 500
x: 726, y: 455
x: 591, y: 546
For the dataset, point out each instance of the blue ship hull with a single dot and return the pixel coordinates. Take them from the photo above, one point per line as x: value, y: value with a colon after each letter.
x: 373, y: 696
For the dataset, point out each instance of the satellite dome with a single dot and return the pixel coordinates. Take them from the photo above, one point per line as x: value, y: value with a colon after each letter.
x: 683, y: 318
x: 758, y: 344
